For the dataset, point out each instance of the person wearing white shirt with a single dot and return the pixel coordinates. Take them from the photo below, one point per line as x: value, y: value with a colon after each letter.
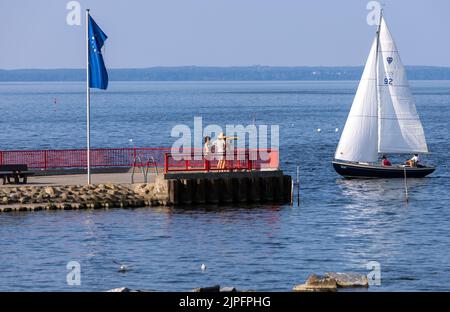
x: 414, y: 161
x: 220, y: 149
x: 207, y: 152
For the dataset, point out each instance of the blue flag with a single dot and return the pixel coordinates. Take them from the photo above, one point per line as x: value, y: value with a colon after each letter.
x: 98, y: 76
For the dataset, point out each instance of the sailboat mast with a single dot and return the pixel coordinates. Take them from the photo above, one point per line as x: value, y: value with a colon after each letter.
x: 377, y: 80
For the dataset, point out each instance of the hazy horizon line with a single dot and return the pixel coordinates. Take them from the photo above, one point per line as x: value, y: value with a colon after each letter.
x: 215, y: 66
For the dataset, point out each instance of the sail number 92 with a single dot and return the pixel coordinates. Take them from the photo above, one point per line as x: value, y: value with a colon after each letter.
x: 388, y: 81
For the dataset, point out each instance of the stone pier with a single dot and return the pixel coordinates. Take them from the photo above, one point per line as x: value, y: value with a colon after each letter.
x: 114, y: 190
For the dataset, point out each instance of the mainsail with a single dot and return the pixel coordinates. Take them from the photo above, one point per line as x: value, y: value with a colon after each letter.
x: 383, y: 117
x: 400, y: 129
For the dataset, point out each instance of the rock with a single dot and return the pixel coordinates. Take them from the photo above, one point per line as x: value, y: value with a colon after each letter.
x: 85, y: 198
x: 145, y: 190
x: 110, y: 186
x: 215, y: 288
x: 316, y: 283
x: 32, y: 194
x: 120, y: 289
x: 13, y: 197
x: 5, y: 191
x: 106, y: 195
x: 24, y: 199
x: 50, y: 191
x: 349, y: 279
x: 111, y: 192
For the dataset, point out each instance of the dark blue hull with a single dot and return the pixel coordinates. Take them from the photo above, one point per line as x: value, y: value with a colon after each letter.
x: 352, y: 170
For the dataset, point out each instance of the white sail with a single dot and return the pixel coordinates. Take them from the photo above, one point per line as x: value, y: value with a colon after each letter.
x: 400, y: 129
x: 359, y: 139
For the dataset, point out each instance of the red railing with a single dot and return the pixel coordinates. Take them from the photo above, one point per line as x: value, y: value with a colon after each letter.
x: 76, y: 158
x: 243, y: 160
x: 125, y: 157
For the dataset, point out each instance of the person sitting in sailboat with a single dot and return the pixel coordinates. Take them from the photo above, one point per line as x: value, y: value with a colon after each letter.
x: 414, y: 161
x: 385, y: 161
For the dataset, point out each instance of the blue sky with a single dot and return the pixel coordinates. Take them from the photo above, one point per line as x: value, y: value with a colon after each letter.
x: 146, y: 33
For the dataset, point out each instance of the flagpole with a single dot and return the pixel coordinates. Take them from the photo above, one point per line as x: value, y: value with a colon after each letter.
x: 88, y: 104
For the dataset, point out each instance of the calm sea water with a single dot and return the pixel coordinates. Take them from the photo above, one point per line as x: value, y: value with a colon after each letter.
x: 340, y: 225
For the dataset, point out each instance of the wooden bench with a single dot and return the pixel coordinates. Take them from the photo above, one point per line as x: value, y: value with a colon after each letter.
x: 16, y: 172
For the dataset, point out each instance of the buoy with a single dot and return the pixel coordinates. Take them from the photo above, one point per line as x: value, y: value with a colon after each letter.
x: 122, y: 267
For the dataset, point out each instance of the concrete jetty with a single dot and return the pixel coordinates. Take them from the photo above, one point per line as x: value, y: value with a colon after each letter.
x: 115, y: 190
x: 270, y: 186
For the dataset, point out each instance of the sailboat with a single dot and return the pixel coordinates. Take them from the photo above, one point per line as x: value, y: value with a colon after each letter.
x: 383, y: 118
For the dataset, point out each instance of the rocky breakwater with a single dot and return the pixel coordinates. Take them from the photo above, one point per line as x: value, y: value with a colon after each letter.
x: 333, y: 282
x: 31, y: 198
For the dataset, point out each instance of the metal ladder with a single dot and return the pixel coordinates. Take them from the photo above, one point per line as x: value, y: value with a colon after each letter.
x: 144, y: 168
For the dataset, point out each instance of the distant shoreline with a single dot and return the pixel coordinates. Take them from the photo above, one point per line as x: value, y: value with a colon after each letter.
x: 205, y: 73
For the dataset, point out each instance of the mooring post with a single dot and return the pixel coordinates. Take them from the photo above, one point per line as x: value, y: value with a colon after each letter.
x: 292, y: 192
x: 298, y: 186
x: 406, y: 185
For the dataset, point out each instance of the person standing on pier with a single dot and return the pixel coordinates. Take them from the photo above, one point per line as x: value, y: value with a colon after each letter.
x: 207, y: 153
x: 219, y: 150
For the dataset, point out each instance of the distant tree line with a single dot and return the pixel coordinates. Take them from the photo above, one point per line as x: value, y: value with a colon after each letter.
x: 199, y: 73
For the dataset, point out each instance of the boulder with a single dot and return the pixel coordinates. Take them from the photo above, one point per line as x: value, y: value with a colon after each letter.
x: 349, y: 279
x: 24, y: 199
x: 111, y: 192
x: 72, y: 188
x: 13, y: 197
x: 111, y: 186
x: 215, y: 288
x: 5, y: 191
x: 39, y: 199
x: 120, y: 289
x: 63, y: 196
x: 142, y: 189
x: 316, y: 283
x: 50, y: 191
